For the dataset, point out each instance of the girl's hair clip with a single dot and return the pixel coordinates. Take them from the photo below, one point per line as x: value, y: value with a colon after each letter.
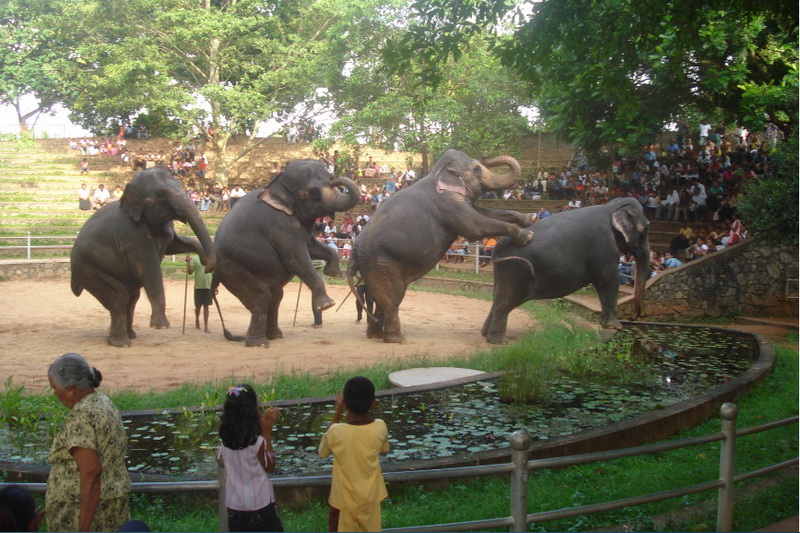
x: 235, y: 391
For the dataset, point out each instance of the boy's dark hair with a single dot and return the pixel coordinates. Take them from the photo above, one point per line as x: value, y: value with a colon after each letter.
x: 359, y: 393
x: 240, y: 425
x: 17, y: 509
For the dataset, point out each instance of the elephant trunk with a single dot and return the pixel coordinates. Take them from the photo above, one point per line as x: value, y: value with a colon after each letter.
x: 502, y: 181
x: 340, y: 201
x: 642, y: 275
x: 189, y: 213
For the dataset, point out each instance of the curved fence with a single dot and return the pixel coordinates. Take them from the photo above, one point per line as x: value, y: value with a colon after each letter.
x: 519, y: 469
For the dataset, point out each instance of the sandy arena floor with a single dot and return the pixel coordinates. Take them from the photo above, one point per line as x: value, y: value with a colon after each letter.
x: 40, y: 320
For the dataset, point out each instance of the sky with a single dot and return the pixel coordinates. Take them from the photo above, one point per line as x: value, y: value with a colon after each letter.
x: 56, y: 124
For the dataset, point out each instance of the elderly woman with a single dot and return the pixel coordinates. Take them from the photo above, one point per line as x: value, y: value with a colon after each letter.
x: 88, y: 485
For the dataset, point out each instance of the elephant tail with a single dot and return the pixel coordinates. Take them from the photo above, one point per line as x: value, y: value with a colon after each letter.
x: 515, y: 258
x: 228, y: 335
x: 352, y: 270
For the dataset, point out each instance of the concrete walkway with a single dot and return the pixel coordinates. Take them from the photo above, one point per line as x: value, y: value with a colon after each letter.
x: 790, y: 524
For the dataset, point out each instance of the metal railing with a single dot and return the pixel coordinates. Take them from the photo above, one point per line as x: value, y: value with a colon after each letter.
x: 471, y: 251
x: 29, y: 245
x: 519, y: 469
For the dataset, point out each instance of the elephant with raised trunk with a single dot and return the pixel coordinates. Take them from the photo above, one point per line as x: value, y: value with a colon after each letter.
x: 571, y: 250
x: 412, y: 229
x: 119, y: 249
x: 267, y: 239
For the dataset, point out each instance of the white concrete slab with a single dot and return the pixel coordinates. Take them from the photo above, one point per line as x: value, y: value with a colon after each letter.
x: 427, y: 376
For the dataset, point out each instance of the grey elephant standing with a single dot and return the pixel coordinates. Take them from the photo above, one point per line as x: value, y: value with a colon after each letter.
x: 572, y: 249
x: 119, y: 249
x: 412, y: 229
x: 267, y: 239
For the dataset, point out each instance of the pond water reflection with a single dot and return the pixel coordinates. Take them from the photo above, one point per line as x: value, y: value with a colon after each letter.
x: 465, y: 419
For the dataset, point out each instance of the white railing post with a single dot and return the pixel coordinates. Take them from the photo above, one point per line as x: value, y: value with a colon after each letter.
x: 477, y: 257
x: 520, y: 442
x: 221, y: 508
x: 727, y: 463
x: 29, y: 246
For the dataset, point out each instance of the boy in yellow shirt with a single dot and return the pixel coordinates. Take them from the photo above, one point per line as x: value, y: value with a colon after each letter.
x: 357, y: 488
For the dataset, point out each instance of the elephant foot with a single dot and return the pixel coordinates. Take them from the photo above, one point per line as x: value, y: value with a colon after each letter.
x: 374, y: 333
x: 322, y: 303
x: 159, y: 322
x: 332, y: 270
x: 396, y: 338
x: 497, y: 339
x: 611, y: 324
x: 275, y: 334
x: 131, y: 334
x: 260, y: 342
x: 523, y: 237
x: 119, y: 342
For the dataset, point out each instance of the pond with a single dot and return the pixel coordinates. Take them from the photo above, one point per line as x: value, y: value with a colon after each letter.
x: 682, y: 362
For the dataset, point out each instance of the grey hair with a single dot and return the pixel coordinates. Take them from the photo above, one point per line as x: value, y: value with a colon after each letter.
x: 72, y: 370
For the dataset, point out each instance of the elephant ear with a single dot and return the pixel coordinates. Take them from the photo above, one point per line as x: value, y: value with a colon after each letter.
x: 277, y: 197
x: 625, y: 221
x: 449, y: 179
x: 131, y: 204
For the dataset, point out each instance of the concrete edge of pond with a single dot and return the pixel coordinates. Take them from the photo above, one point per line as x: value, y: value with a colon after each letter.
x: 634, y: 431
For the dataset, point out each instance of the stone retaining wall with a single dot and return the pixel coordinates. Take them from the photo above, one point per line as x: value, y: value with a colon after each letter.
x: 35, y: 269
x: 749, y: 278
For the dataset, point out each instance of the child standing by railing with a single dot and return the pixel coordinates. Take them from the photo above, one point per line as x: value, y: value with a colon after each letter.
x: 247, y: 456
x: 357, y: 488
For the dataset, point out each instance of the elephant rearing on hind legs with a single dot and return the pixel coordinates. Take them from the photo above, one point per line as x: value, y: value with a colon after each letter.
x: 119, y: 249
x: 267, y: 239
x: 412, y: 229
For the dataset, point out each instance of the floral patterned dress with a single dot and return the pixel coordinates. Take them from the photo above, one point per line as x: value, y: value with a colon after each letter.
x: 93, y: 423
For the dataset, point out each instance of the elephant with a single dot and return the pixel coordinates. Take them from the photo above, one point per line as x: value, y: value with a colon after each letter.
x: 411, y: 230
x: 266, y: 239
x: 119, y: 249
x: 572, y: 249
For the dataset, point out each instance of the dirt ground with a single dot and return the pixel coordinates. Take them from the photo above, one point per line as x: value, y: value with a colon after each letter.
x: 40, y: 320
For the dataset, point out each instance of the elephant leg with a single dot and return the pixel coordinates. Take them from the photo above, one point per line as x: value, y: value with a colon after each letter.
x: 114, y: 296
x: 133, y: 297
x: 317, y: 250
x: 273, y: 331
x: 255, y: 293
x: 511, y: 290
x: 154, y: 287
x: 257, y: 332
x: 375, y: 323
x: 608, y: 292
x: 388, y: 296
x: 522, y: 220
x: 299, y: 262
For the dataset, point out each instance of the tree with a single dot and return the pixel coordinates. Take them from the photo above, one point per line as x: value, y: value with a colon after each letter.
x: 28, y: 60
x: 476, y: 107
x: 615, y: 73
x: 769, y: 203
x: 216, y: 68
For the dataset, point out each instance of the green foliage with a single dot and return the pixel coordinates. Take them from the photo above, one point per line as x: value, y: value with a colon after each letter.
x: 769, y: 204
x: 28, y: 61
x: 23, y: 411
x: 615, y: 73
x: 476, y: 107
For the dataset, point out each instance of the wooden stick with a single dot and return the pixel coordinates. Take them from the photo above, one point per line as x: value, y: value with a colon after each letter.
x: 297, y: 305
